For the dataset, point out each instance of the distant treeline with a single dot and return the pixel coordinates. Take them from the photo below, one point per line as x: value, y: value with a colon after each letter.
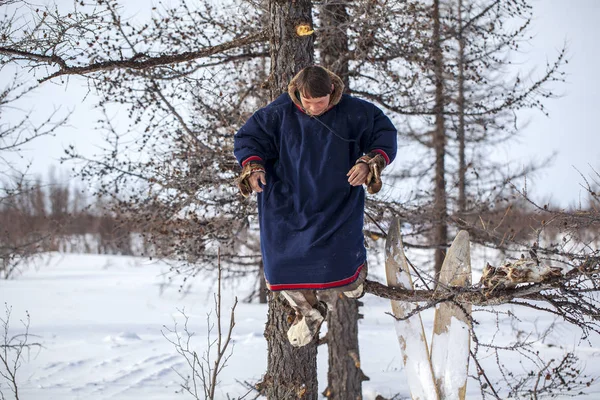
x: 521, y: 222
x: 63, y: 217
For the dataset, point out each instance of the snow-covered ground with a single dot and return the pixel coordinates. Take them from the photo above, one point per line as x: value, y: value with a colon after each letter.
x: 100, y: 320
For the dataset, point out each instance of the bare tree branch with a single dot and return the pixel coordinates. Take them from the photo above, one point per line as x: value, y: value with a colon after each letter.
x: 137, y: 62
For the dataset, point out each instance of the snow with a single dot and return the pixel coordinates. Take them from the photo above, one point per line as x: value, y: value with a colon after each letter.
x: 101, y: 319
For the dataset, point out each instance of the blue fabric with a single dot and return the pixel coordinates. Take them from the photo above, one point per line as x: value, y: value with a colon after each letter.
x: 311, y: 218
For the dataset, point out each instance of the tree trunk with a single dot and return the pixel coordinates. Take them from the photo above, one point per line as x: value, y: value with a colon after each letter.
x: 333, y: 43
x: 460, y: 134
x: 344, y: 377
x: 439, y: 143
x: 262, y: 290
x: 289, y: 52
x: 291, y: 372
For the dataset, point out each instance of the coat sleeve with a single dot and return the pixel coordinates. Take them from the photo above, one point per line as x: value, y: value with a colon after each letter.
x: 383, y: 137
x: 255, y: 140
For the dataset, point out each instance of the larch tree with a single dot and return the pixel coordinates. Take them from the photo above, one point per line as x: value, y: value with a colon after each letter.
x: 447, y: 76
x: 291, y: 372
x: 486, y: 93
x: 440, y: 201
x: 189, y: 77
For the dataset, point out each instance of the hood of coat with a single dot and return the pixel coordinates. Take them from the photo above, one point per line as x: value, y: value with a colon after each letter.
x: 336, y: 95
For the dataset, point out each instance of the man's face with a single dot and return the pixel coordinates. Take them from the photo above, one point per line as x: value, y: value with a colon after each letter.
x: 316, y: 105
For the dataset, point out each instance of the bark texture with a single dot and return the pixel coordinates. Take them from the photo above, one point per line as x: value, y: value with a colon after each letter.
x: 440, y: 210
x: 460, y: 104
x: 291, y: 372
x: 289, y: 52
x: 262, y: 291
x: 345, y: 377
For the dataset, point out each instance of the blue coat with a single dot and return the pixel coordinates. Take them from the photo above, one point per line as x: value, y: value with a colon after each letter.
x: 311, y: 218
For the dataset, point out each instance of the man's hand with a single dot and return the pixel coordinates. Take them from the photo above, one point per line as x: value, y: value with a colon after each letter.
x: 249, y: 181
x: 254, y: 180
x: 367, y: 170
x: 358, y: 174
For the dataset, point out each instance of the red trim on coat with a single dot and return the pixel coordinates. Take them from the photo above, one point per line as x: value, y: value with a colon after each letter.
x: 251, y: 158
x: 384, y: 154
x: 328, y: 285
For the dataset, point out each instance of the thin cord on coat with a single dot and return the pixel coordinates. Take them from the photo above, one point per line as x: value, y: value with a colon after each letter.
x: 332, y: 131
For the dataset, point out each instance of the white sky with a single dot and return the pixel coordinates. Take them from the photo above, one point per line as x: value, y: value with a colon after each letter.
x: 570, y: 130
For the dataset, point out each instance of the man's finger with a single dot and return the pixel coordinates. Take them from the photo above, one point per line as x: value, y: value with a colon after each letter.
x: 358, y: 180
x: 254, y: 183
x: 262, y: 178
x: 352, y: 170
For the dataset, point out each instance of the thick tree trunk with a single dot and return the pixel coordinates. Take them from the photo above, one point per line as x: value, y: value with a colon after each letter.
x: 439, y: 143
x: 291, y: 372
x: 344, y: 378
x: 289, y: 52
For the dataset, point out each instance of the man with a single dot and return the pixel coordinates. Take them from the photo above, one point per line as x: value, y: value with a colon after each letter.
x: 307, y: 155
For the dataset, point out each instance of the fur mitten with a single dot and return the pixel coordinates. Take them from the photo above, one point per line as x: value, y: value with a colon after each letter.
x: 242, y: 181
x: 376, y: 164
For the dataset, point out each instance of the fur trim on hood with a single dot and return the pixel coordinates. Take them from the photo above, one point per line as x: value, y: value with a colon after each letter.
x: 336, y: 95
